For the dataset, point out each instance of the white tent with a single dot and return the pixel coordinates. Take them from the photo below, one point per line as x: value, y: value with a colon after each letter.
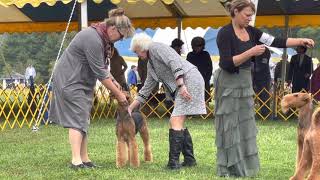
x: 167, y: 35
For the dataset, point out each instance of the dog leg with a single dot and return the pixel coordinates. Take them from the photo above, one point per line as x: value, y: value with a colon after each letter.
x: 144, y: 133
x: 315, y: 168
x: 304, y: 163
x: 128, y: 150
x: 121, y: 155
x: 299, y: 151
x: 134, y: 154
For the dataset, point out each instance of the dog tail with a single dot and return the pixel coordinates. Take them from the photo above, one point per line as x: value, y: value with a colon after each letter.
x: 316, y: 117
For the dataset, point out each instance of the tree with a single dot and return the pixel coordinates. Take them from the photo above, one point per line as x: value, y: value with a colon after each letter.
x: 38, y: 49
x: 313, y: 33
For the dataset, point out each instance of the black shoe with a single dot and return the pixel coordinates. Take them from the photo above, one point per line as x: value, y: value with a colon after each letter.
x: 187, y: 150
x: 90, y: 164
x: 76, y: 167
x: 175, y: 148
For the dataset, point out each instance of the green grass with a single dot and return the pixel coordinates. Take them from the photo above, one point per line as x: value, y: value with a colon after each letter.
x: 46, y: 154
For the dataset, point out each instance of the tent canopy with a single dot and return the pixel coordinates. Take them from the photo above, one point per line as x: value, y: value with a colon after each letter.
x: 52, y: 15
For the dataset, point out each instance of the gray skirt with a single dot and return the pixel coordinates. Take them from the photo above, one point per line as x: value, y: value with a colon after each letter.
x: 195, y: 86
x: 237, y: 152
x: 71, y: 108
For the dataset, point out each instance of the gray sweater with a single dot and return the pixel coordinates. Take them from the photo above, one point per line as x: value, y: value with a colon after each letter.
x: 164, y: 66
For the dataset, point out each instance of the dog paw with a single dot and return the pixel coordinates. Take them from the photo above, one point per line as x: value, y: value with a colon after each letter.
x: 120, y: 165
x: 148, y: 159
x: 135, y: 165
x: 293, y: 178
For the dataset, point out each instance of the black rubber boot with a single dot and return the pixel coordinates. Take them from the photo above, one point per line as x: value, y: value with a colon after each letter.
x: 187, y: 150
x: 175, y: 145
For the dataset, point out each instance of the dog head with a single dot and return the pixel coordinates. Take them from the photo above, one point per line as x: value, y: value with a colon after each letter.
x: 295, y: 100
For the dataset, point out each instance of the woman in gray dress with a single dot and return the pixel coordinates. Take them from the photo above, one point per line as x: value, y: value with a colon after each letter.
x: 237, y: 151
x: 83, y: 62
x: 186, y: 87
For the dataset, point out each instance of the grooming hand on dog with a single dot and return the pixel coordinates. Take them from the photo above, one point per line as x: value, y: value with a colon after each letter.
x: 308, y: 153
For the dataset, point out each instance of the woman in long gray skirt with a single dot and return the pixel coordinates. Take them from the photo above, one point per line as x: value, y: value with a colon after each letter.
x: 75, y: 75
x: 186, y: 86
x: 237, y: 152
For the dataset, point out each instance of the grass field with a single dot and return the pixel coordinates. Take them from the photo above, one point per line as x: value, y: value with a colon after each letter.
x: 46, y: 154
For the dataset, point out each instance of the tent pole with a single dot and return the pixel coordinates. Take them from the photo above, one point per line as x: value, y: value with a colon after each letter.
x: 84, y: 14
x: 253, y: 21
x: 285, y: 54
x: 283, y: 72
x: 179, y: 25
x: 78, y: 11
x: 178, y: 12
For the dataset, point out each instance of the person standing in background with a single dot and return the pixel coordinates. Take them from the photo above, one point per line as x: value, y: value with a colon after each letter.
x: 30, y: 75
x: 278, y: 70
x: 142, y: 70
x: 132, y: 76
x: 202, y: 60
x: 177, y: 44
x: 261, y: 82
x: 300, y: 70
x: 117, y: 68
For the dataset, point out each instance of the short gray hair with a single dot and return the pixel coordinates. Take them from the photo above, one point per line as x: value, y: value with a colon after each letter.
x: 141, y: 41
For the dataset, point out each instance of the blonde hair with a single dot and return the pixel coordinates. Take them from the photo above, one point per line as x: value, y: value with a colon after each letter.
x: 118, y: 19
x: 140, y: 41
x: 239, y: 5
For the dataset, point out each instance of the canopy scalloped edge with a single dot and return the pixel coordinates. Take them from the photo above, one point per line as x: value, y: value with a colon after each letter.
x: 143, y: 23
x: 151, y: 2
x: 36, y: 3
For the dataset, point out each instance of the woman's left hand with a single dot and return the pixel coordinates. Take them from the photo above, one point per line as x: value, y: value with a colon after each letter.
x: 184, y: 92
x: 307, y: 42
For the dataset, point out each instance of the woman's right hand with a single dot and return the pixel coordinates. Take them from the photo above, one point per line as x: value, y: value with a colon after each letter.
x: 257, y: 50
x: 121, y: 98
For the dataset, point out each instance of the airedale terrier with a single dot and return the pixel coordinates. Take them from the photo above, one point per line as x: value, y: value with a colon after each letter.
x: 310, y: 157
x: 308, y: 136
x: 126, y: 129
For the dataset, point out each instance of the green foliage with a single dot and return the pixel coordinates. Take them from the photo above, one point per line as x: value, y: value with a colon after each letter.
x: 46, y: 154
x: 39, y: 49
x: 313, y: 33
